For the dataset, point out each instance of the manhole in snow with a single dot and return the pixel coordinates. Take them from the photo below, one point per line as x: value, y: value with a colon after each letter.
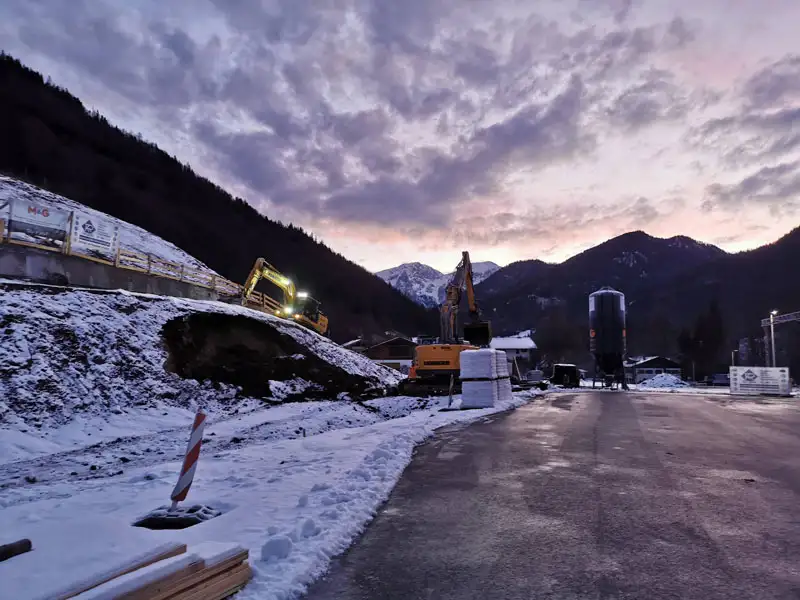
x: 165, y: 517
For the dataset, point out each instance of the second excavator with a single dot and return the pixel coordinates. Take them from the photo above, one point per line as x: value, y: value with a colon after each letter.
x: 436, y: 367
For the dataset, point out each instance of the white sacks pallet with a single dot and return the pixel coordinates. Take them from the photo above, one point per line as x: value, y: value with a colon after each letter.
x: 502, y: 363
x: 478, y: 364
x: 479, y: 394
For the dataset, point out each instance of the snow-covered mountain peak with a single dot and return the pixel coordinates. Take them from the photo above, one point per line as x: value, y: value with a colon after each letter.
x: 425, y: 285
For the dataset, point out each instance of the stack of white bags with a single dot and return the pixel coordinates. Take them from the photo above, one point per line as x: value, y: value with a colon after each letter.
x: 484, y: 378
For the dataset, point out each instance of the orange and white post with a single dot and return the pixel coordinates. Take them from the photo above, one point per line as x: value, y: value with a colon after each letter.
x: 190, y: 460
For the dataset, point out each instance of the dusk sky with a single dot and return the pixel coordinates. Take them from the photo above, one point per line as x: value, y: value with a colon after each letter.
x: 401, y: 131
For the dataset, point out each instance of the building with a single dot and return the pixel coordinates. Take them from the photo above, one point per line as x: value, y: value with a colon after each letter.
x: 640, y: 368
x: 520, y: 348
x: 396, y: 352
x: 356, y: 345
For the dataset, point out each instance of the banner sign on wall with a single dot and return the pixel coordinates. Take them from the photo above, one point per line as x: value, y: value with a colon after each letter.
x: 5, y: 215
x: 756, y: 381
x: 38, y: 223
x: 94, y: 235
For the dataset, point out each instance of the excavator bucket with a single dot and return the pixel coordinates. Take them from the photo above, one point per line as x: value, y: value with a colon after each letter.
x: 479, y: 333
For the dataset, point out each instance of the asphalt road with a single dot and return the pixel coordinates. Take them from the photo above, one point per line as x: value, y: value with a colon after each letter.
x: 597, y: 495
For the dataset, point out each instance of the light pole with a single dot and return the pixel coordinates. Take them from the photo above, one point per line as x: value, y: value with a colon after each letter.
x: 772, y: 334
x: 733, y: 359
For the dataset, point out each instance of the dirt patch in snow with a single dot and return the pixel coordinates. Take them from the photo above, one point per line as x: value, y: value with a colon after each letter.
x: 247, y: 353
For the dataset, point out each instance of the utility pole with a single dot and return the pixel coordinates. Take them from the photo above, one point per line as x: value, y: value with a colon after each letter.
x: 772, y: 334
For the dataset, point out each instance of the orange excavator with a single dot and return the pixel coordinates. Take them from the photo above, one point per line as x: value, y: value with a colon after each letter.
x: 437, y: 366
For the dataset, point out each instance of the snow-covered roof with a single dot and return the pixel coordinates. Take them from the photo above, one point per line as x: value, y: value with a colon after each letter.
x: 635, y: 361
x: 513, y: 343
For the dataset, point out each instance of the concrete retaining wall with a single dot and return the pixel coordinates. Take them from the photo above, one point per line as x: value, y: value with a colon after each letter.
x: 41, y: 266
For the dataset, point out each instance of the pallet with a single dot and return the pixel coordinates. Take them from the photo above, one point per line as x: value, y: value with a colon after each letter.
x: 211, y: 571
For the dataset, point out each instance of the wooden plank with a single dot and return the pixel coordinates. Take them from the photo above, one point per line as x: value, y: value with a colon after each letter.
x: 132, y: 268
x: 32, y: 245
x: 220, y: 587
x: 138, y: 562
x: 155, y: 587
x: 15, y: 549
x: 102, y: 261
x: 200, y: 578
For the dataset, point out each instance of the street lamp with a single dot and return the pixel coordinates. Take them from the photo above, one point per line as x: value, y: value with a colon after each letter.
x: 772, y: 333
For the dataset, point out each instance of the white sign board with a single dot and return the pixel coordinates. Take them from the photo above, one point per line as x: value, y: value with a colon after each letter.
x: 38, y: 223
x: 5, y: 216
x: 93, y: 235
x: 757, y: 381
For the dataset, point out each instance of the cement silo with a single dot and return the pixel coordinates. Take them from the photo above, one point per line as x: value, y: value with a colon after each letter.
x: 607, y: 334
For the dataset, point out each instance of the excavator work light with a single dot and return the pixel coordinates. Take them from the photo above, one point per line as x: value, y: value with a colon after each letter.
x: 302, y: 294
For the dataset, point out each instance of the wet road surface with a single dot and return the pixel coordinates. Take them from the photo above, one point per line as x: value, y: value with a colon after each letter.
x: 597, y: 495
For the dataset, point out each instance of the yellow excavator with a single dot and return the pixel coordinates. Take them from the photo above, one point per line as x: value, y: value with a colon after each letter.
x: 297, y: 306
x: 437, y: 366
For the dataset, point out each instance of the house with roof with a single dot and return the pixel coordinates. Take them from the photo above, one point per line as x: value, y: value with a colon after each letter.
x: 396, y: 352
x: 520, y: 348
x: 640, y: 368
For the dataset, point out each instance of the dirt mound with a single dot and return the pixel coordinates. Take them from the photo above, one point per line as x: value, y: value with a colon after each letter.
x: 69, y: 354
x: 248, y: 353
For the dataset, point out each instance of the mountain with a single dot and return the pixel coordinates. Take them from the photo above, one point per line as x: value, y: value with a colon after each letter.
x: 425, y: 285
x: 668, y: 284
x: 747, y: 286
x: 516, y: 296
x: 49, y: 139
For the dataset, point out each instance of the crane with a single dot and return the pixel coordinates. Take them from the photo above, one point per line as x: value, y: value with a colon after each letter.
x: 436, y: 365
x: 297, y: 306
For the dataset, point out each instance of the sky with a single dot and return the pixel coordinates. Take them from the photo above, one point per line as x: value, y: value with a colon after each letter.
x: 410, y: 131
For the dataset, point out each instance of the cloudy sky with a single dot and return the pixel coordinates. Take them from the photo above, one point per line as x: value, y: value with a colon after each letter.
x: 410, y: 130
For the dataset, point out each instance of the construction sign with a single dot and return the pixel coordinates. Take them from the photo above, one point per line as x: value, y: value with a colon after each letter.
x: 92, y: 235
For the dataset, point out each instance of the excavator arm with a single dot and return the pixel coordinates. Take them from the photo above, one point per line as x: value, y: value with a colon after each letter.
x: 262, y: 269
x: 477, y: 331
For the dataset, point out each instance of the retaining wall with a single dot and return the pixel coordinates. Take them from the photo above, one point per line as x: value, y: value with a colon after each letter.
x: 41, y: 266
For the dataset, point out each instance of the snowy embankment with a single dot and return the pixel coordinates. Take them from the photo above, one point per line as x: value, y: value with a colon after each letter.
x: 89, y: 364
x: 295, y: 503
x: 131, y: 237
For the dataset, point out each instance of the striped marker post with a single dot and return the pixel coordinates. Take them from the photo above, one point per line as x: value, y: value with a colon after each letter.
x: 190, y: 460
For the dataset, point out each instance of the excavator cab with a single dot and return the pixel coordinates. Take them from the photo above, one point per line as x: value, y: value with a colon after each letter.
x: 306, y: 311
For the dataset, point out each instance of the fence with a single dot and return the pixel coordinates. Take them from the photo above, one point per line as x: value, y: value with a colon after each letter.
x: 96, y: 239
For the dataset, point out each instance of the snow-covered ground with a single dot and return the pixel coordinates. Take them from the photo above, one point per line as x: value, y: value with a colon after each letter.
x: 294, y: 501
x: 666, y: 384
x: 131, y: 237
x: 66, y: 356
x: 663, y: 381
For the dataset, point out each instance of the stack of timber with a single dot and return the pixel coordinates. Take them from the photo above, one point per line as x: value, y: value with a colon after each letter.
x: 207, y: 571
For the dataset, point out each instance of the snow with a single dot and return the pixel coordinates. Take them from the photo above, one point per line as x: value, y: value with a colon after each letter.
x: 425, y: 285
x: 131, y: 237
x: 512, y: 343
x: 293, y: 503
x: 663, y: 380
x: 66, y: 355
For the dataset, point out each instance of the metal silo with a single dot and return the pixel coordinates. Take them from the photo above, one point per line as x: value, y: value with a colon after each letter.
x: 607, y: 334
